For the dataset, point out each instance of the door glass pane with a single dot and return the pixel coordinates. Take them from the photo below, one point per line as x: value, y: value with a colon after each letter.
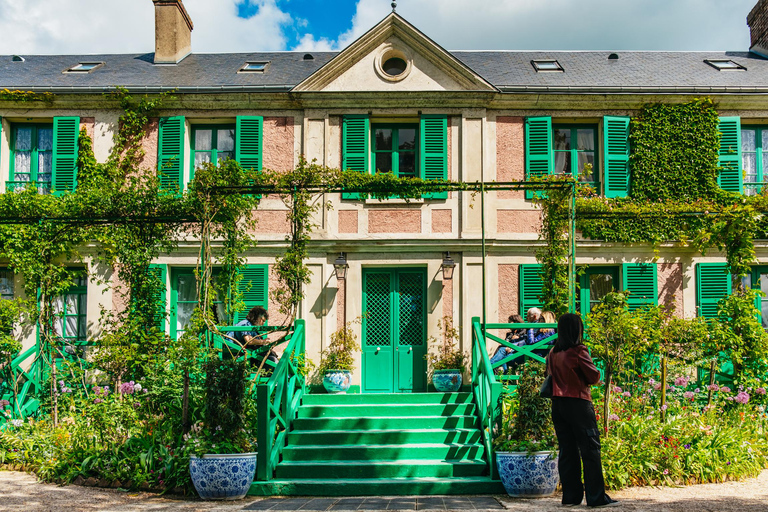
x: 226, y: 140
x: 379, y: 311
x: 407, y: 138
x: 45, y: 139
x: 562, y: 139
x: 384, y: 162
x: 585, y: 139
x: 411, y: 309
x: 383, y: 139
x: 407, y: 166
x: 203, y: 140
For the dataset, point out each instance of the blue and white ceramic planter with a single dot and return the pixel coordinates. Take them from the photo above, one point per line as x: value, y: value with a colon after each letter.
x: 223, y: 477
x: 528, y: 476
x: 447, y: 381
x: 337, y: 381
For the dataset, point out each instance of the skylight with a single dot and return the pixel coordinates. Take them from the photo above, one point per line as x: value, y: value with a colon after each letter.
x: 724, y: 65
x: 254, y: 67
x: 84, y: 67
x: 547, y: 65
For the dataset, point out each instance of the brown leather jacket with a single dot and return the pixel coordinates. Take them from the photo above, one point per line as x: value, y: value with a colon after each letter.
x: 572, y: 372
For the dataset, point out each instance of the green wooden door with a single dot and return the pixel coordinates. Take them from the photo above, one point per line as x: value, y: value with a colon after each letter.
x: 394, y: 330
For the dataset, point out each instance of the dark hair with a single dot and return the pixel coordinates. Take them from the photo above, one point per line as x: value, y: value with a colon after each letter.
x: 515, y: 319
x: 570, y: 329
x: 256, y: 313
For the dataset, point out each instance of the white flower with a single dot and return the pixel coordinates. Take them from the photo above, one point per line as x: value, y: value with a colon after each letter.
x: 17, y: 423
x: 137, y: 387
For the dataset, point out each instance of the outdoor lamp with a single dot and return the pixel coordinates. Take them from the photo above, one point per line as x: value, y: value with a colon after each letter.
x: 448, y: 266
x: 341, y: 266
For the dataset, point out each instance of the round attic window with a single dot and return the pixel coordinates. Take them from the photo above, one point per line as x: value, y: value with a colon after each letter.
x: 393, y: 64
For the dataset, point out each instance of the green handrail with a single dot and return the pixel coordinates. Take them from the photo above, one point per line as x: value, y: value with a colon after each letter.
x: 520, y: 352
x: 23, y: 401
x: 278, y: 401
x: 486, y: 391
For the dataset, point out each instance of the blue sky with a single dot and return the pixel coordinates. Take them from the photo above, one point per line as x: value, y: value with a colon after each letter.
x: 127, y: 26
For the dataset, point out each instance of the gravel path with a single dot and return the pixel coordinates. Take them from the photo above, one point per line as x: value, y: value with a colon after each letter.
x: 21, y: 492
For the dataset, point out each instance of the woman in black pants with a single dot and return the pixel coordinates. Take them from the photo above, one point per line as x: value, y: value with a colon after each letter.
x: 572, y: 373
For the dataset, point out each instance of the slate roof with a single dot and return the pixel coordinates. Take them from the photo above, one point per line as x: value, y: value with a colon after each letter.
x: 509, y: 71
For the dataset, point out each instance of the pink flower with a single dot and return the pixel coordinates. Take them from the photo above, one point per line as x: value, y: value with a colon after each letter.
x: 742, y: 397
x: 657, y: 386
x: 725, y: 389
x: 713, y: 387
x: 666, y: 471
x: 627, y: 394
x: 617, y: 389
x: 664, y: 407
x: 688, y: 395
x: 98, y: 401
x: 682, y: 381
x: 760, y: 391
x: 613, y: 417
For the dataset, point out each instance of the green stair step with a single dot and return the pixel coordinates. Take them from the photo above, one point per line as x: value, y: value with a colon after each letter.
x: 357, y: 410
x: 383, y: 452
x: 387, y: 398
x: 377, y: 487
x: 385, y: 422
x: 385, y: 436
x: 404, y: 468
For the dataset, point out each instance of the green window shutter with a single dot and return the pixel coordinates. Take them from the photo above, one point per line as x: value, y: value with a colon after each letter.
x: 713, y: 282
x: 730, y: 177
x: 355, y: 153
x: 616, y: 153
x: 433, y: 151
x: 248, y: 142
x: 539, y: 157
x: 641, y: 280
x: 66, y: 131
x: 170, y: 159
x: 161, y: 271
x: 254, y: 286
x: 530, y: 287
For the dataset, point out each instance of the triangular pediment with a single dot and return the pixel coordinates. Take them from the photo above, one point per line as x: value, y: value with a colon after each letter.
x: 360, y: 66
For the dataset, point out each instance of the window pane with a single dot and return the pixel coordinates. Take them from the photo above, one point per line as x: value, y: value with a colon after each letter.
x: 226, y: 140
x: 70, y: 326
x: 45, y: 139
x: 384, y: 162
x: 44, y: 165
x: 748, y: 140
x: 586, y: 139
x: 23, y: 139
x: 224, y: 155
x: 72, y: 303
x: 22, y: 165
x: 6, y: 284
x: 584, y: 159
x: 764, y: 139
x: 749, y: 163
x: 562, y: 139
x: 183, y: 315
x: 407, y: 166
x: 82, y: 328
x: 407, y: 138
x: 203, y: 140
x: 562, y: 162
x: 186, y: 286
x: 383, y: 139
x: 600, y: 285
x: 201, y: 157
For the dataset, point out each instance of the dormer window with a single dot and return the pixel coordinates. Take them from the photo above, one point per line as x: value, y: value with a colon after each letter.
x: 724, y: 65
x: 254, y: 67
x: 547, y: 65
x: 84, y: 67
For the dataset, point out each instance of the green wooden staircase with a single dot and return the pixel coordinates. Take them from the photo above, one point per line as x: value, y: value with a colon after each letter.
x: 383, y: 444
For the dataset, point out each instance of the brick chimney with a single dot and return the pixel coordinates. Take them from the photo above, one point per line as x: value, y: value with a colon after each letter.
x: 173, y: 31
x: 758, y: 28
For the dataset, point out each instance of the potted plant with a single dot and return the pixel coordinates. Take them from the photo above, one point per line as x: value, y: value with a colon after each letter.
x: 337, y: 360
x: 449, y: 363
x: 525, y: 448
x: 223, y: 462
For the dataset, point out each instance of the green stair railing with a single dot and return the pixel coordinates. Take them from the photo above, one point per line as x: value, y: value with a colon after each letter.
x: 278, y: 401
x: 486, y: 388
x: 22, y: 385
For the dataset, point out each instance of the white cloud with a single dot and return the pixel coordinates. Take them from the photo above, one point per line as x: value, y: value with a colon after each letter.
x: 127, y: 26
x: 568, y: 24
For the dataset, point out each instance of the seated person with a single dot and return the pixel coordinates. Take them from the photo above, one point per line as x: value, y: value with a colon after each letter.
x: 257, y: 316
x: 547, y: 317
x: 515, y: 337
x: 532, y: 317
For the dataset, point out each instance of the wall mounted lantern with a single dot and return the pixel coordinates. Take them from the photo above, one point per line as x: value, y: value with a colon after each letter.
x: 448, y: 266
x: 341, y: 266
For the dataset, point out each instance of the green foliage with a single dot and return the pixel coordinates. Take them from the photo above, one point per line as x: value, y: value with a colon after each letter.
x: 526, y: 426
x: 553, y: 255
x: 26, y: 96
x: 339, y: 355
x: 674, y: 152
x: 743, y: 336
x: 448, y: 356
